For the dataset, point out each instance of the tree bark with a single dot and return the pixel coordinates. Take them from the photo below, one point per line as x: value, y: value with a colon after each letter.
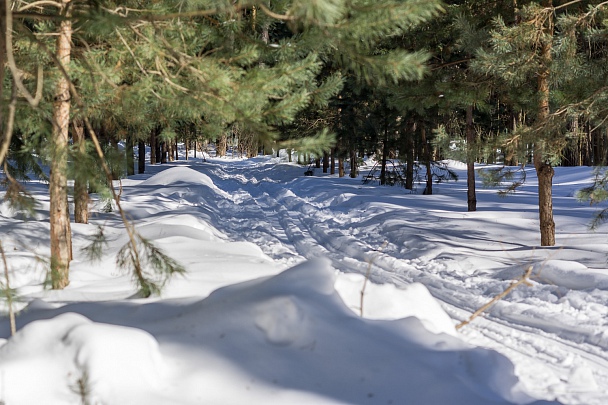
x: 163, y: 152
x: 427, y: 152
x: 81, y: 189
x: 332, y: 161
x: 61, y: 235
x: 222, y: 144
x: 544, y: 171
x: 130, y: 153
x: 353, y: 163
x: 340, y: 167
x: 409, y: 159
x: 325, y: 162
x: 141, y: 157
x: 471, y: 195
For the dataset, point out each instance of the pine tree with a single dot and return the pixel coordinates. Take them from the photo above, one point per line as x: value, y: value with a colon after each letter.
x: 540, y: 54
x: 215, y: 64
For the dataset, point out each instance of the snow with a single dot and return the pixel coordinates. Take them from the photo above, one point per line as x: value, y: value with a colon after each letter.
x: 280, y: 268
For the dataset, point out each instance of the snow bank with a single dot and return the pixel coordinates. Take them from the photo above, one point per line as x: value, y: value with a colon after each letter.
x: 54, y: 361
x: 178, y: 174
x: 240, y: 345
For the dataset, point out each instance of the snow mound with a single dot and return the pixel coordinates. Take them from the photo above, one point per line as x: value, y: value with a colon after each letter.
x: 179, y: 174
x: 62, y: 356
x: 562, y: 273
x: 386, y: 301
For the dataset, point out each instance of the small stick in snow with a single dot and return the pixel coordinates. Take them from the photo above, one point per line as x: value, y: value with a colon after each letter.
x: 370, y: 262
x: 522, y: 280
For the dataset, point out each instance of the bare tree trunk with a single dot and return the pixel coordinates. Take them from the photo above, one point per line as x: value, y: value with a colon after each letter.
x: 427, y: 152
x: 129, y: 154
x: 353, y: 164
x: 340, y: 167
x: 471, y: 195
x: 163, y: 152
x: 222, y: 146
x: 332, y: 161
x: 176, y: 150
x: 170, y: 148
x: 61, y: 234
x: 141, y: 157
x: 81, y: 189
x: 187, y: 147
x: 544, y: 171
x: 325, y: 162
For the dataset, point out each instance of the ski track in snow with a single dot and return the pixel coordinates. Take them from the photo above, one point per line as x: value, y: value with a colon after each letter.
x: 291, y: 226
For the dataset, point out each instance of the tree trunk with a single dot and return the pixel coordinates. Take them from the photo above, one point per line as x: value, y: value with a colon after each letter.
x: 170, y: 148
x: 141, y: 156
x: 176, y: 150
x: 332, y: 161
x: 544, y: 171
x: 187, y: 147
x: 221, y: 146
x: 340, y: 167
x: 61, y: 234
x: 428, y: 190
x: 163, y: 152
x: 353, y: 164
x: 81, y: 189
x: 130, y: 153
x: 471, y: 195
x: 325, y: 162
x: 409, y: 158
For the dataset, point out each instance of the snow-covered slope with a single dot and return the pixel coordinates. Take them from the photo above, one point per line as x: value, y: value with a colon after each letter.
x: 268, y: 311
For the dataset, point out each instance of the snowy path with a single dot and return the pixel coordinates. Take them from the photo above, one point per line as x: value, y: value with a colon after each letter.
x: 412, y: 238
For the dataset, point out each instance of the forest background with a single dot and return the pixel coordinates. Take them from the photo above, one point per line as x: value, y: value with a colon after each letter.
x: 512, y: 82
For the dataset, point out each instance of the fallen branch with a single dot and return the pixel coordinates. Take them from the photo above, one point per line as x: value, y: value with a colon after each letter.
x: 522, y: 280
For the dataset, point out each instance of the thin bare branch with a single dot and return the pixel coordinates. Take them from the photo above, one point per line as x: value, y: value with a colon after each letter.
x: 522, y: 280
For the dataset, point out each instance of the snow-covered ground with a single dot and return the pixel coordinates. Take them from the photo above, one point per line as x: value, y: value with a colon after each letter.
x: 269, y: 309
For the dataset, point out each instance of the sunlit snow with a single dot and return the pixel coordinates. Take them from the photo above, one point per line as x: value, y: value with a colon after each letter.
x: 269, y: 311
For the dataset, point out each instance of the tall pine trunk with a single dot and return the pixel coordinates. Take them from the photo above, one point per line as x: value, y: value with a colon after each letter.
x: 141, y: 156
x: 471, y: 195
x: 353, y: 163
x: 61, y: 235
x: 129, y: 152
x: 410, y: 151
x: 81, y: 189
x: 427, y: 153
x: 544, y: 170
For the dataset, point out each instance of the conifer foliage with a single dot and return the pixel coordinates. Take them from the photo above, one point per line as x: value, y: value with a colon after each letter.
x: 128, y: 70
